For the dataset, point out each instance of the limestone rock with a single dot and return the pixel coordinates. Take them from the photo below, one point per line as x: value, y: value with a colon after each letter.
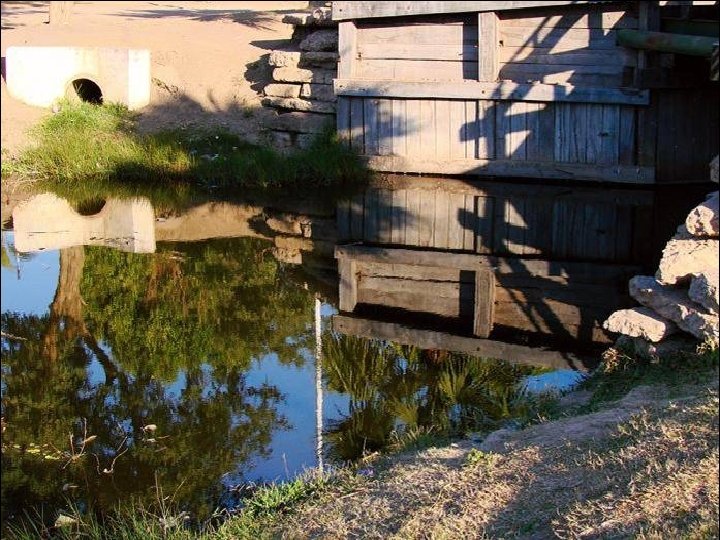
x: 714, y: 173
x: 322, y: 40
x: 685, y: 255
x: 283, y: 90
x: 297, y: 104
x: 320, y: 92
x: 703, y: 219
x: 704, y: 289
x: 675, y: 305
x: 284, y: 58
x: 654, y: 351
x: 299, y: 75
x: 640, y: 322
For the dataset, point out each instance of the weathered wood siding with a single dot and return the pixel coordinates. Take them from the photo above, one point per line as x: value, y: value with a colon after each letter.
x: 506, y: 93
x: 521, y: 220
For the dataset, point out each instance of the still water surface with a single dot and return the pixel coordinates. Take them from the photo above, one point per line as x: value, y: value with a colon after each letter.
x: 193, y: 368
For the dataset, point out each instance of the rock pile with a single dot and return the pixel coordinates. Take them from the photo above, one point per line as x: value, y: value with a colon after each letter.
x: 303, y: 73
x: 681, y: 300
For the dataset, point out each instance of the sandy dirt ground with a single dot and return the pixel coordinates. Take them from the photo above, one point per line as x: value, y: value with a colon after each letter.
x: 206, y: 66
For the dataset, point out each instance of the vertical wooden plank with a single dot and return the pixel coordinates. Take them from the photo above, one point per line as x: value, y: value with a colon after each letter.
x: 623, y: 240
x: 441, y: 226
x: 580, y: 215
x: 484, y: 302
x: 412, y: 217
x: 428, y: 142
x: 456, y: 220
x: 468, y: 223
x: 577, y: 133
x: 647, y: 126
x: 371, y: 215
x: 357, y: 217
x: 642, y: 230
x: 561, y: 132
x: 600, y: 228
x: 372, y: 133
x: 499, y: 226
x: 516, y: 226
x: 518, y: 131
x: 487, y: 46
x: 458, y: 130
x: 385, y: 127
x: 399, y: 127
x: 485, y: 224
x: 348, y: 284
x: 357, y: 125
x: 486, y: 130
x: 347, y: 49
x: 442, y: 129
x: 384, y: 205
x: 594, y: 133
x: 427, y: 218
x: 343, y: 119
x: 413, y: 127
x: 399, y: 213
x: 626, y: 136
x: 342, y: 219
x: 502, y: 129
x: 538, y: 232
x: 540, y: 144
x: 609, y: 135
x: 562, y: 228
x: 471, y: 133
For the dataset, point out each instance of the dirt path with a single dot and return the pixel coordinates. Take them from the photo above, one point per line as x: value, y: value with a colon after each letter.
x: 205, y: 56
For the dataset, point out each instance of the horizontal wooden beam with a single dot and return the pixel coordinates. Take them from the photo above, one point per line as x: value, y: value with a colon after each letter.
x: 485, y: 348
x: 371, y: 9
x: 504, y: 90
x: 579, y: 272
x: 627, y: 174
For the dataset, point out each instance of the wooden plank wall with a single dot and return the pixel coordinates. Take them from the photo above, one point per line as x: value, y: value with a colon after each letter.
x: 567, y: 46
x: 571, y: 307
x: 553, y: 223
x: 446, y: 130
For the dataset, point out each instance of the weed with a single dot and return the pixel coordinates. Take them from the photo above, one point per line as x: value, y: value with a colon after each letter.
x: 478, y: 458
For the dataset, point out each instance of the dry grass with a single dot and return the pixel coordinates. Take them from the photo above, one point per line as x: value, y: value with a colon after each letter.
x: 645, y: 467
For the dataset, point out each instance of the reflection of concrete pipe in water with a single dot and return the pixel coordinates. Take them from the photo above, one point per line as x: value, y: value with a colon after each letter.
x: 318, y: 385
x: 49, y: 222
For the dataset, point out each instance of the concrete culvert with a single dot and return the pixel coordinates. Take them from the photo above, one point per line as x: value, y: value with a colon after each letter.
x: 87, y: 91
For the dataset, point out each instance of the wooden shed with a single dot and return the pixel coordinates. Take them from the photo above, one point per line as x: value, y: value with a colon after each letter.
x: 530, y: 89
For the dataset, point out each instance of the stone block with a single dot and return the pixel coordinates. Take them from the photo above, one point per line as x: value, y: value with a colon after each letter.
x: 41, y: 76
x: 647, y: 350
x: 704, y: 289
x: 318, y: 92
x: 685, y: 255
x: 322, y: 40
x: 297, y: 104
x: 283, y: 90
x: 703, y: 219
x: 301, y: 75
x: 640, y: 322
x: 675, y: 304
x: 284, y: 58
x: 714, y: 166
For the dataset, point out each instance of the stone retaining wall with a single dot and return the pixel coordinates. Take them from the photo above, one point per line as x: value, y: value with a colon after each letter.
x: 679, y: 304
x: 303, y: 73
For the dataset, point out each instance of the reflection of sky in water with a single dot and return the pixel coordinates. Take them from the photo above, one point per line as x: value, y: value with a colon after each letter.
x: 39, y: 274
x: 559, y: 381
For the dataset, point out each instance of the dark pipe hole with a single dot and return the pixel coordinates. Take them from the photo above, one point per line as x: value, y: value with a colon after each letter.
x: 88, y: 91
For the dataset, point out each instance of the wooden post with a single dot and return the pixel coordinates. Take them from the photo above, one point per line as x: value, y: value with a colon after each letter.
x: 484, y: 302
x: 60, y: 12
x: 487, y: 47
x: 347, y: 49
x: 348, y: 284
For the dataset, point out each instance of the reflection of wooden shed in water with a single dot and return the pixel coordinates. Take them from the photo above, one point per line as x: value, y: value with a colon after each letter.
x: 562, y: 140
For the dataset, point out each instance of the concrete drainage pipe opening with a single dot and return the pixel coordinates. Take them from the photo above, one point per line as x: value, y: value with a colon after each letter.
x: 86, y: 90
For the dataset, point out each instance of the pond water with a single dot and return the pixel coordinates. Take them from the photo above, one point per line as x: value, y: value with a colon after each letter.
x: 194, y: 367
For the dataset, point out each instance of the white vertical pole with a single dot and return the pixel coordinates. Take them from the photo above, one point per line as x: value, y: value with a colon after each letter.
x: 318, y: 385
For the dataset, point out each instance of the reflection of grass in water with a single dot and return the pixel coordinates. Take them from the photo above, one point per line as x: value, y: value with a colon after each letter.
x: 87, y: 149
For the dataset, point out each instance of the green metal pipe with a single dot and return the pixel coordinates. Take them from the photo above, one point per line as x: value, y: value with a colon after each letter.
x: 664, y: 42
